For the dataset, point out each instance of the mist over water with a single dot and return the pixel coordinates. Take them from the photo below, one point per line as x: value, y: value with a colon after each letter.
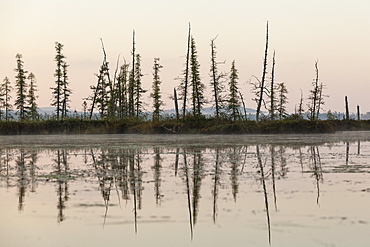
x: 185, y: 190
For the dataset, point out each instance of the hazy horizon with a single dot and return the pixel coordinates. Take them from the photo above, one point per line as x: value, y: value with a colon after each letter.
x: 333, y: 32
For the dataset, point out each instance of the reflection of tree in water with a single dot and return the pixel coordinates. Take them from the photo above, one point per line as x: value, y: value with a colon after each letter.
x: 136, y: 181
x: 33, y: 168
x: 216, y: 183
x: 283, y: 164
x: 5, y: 158
x: 316, y: 168
x: 234, y: 158
x: 187, y: 183
x: 262, y: 173
x: 272, y: 151
x: 193, y: 190
x: 198, y: 175
x: 23, y: 178
x: 62, y: 174
x: 157, y: 175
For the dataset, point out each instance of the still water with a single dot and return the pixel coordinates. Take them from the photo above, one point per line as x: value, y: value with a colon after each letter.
x: 187, y: 190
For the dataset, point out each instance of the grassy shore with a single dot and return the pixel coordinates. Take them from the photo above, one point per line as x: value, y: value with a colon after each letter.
x: 186, y: 126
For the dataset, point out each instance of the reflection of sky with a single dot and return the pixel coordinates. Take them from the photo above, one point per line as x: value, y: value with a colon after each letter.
x: 301, y: 32
x: 298, y: 221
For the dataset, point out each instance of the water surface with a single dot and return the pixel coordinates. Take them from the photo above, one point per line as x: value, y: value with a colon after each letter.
x: 185, y: 190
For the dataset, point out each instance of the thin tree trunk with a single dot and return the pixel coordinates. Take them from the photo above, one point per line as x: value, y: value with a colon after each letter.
x: 358, y: 113
x: 347, y: 109
x: 215, y: 80
x: 176, y: 104
x: 186, y: 73
x: 272, y: 90
x: 263, y: 75
x: 242, y: 99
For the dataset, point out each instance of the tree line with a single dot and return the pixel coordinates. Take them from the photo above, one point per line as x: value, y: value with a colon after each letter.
x: 118, y: 95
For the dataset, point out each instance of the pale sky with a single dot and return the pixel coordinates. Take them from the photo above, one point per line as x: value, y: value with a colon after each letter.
x: 334, y: 32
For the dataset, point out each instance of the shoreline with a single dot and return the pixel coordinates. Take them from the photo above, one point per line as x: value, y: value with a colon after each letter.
x: 187, y: 126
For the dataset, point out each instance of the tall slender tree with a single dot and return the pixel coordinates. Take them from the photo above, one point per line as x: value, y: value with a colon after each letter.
x: 233, y: 92
x: 131, y: 84
x: 216, y: 77
x: 138, y: 89
x: 282, y: 100
x: 66, y: 91
x: 5, y: 90
x: 21, y: 88
x: 156, y: 93
x: 198, y: 98
x: 272, y: 96
x: 121, y: 90
x: 58, y: 89
x: 184, y: 85
x: 31, y: 98
x: 262, y: 84
x: 316, y: 98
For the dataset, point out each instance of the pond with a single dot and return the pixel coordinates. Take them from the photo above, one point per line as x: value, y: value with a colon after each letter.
x: 185, y: 190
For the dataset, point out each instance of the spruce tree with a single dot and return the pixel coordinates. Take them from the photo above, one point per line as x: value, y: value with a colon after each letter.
x: 121, y: 90
x: 234, y: 103
x: 216, y: 77
x: 282, y: 100
x: 66, y: 91
x: 198, y: 87
x: 31, y: 98
x: 57, y: 92
x: 138, y: 90
x: 156, y: 93
x: 5, y: 90
x: 21, y: 88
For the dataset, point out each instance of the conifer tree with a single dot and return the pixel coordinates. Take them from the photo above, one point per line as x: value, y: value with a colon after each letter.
x: 216, y: 83
x: 156, y: 93
x: 21, y: 88
x: 66, y: 91
x: 121, y: 90
x: 282, y: 100
x: 31, y: 98
x: 5, y: 90
x: 57, y: 92
x: 316, y: 97
x: 234, y: 103
x: 131, y: 84
x: 198, y: 98
x: 138, y: 90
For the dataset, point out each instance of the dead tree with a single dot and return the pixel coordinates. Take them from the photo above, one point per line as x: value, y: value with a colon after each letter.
x: 186, y: 79
x: 347, y: 108
x: 262, y: 86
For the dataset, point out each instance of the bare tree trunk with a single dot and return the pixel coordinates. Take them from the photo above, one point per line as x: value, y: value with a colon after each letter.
x: 176, y: 104
x: 272, y: 90
x: 131, y: 104
x: 242, y: 99
x: 214, y: 76
x: 358, y: 113
x: 347, y: 109
x: 263, y: 75
x: 186, y: 74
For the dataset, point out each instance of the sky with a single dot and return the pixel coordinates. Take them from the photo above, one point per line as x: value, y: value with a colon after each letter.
x: 336, y: 33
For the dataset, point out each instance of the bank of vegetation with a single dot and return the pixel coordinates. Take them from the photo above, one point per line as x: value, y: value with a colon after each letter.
x: 183, y: 126
x: 116, y: 105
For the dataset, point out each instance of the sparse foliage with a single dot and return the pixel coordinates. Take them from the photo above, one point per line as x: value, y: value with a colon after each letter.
x: 156, y: 91
x: 21, y: 88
